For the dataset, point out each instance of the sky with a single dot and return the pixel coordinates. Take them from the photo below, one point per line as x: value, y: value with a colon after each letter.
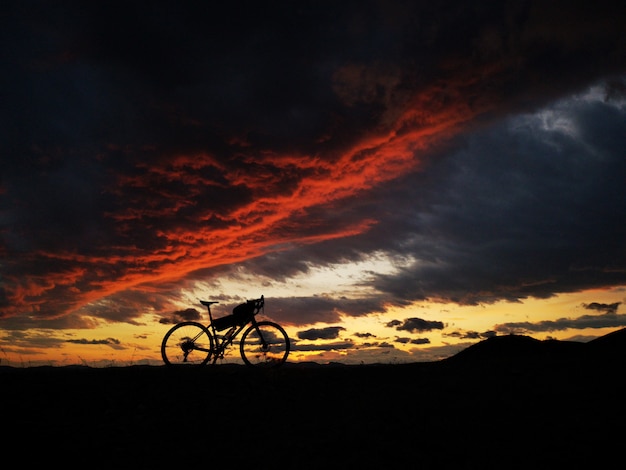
x: 398, y: 179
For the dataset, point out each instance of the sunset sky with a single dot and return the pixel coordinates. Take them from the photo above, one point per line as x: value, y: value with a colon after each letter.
x: 399, y: 179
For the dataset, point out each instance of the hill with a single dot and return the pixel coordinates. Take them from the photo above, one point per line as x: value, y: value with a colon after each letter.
x: 517, y: 348
x: 522, y: 349
x: 506, y: 402
x: 613, y: 343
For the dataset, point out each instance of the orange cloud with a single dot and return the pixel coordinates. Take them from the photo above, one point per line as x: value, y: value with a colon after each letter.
x: 199, y: 212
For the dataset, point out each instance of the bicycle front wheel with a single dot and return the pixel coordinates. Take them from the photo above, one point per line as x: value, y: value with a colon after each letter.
x: 187, y: 344
x: 264, y: 344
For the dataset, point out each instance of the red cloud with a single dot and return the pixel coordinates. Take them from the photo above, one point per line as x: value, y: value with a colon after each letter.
x: 188, y: 212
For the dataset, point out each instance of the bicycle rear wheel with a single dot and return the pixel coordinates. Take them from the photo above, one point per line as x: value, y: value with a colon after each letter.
x: 187, y: 344
x: 265, y: 344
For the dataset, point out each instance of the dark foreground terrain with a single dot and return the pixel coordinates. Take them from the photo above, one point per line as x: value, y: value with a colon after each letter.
x: 507, y: 402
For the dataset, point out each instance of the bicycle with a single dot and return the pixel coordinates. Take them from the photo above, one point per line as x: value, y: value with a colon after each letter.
x: 263, y: 343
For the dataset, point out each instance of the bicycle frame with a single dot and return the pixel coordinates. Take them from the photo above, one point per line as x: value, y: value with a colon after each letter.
x: 222, y: 342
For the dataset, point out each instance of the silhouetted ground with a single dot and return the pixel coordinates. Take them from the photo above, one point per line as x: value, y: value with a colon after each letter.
x: 507, y: 402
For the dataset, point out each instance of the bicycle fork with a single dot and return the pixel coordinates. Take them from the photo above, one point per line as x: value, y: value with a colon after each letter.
x: 265, y: 345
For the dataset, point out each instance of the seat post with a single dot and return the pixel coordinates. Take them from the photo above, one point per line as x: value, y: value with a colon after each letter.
x: 207, y: 304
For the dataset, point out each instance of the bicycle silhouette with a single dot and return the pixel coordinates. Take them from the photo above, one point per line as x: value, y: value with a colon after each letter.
x: 263, y: 343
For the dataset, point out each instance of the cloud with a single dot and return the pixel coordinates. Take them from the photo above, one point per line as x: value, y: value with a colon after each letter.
x: 472, y: 334
x: 412, y: 340
x: 603, y: 308
x: 333, y: 346
x: 608, y: 319
x: 519, y: 210
x: 114, y: 343
x: 141, y: 159
x: 330, y: 332
x: 189, y: 314
x: 415, y: 325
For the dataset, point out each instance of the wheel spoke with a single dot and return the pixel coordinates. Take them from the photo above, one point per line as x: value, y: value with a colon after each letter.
x: 265, y: 344
x: 188, y: 343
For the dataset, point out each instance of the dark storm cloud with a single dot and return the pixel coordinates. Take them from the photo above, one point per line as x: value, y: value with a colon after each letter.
x: 329, y: 332
x: 532, y: 206
x: 141, y: 141
x: 518, y: 211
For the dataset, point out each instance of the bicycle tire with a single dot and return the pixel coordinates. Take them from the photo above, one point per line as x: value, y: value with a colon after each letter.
x: 187, y: 344
x: 264, y: 345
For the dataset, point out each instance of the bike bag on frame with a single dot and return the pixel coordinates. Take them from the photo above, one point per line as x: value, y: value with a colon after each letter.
x: 240, y: 316
x: 224, y: 322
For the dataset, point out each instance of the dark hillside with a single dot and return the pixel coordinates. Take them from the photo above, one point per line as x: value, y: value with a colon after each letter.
x: 526, y: 351
x: 612, y: 343
x: 508, y: 402
x: 518, y: 348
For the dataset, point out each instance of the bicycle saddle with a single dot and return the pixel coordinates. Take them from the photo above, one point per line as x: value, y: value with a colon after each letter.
x: 208, y: 302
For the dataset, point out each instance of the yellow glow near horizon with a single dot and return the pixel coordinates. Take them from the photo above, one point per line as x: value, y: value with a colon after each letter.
x: 119, y: 344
